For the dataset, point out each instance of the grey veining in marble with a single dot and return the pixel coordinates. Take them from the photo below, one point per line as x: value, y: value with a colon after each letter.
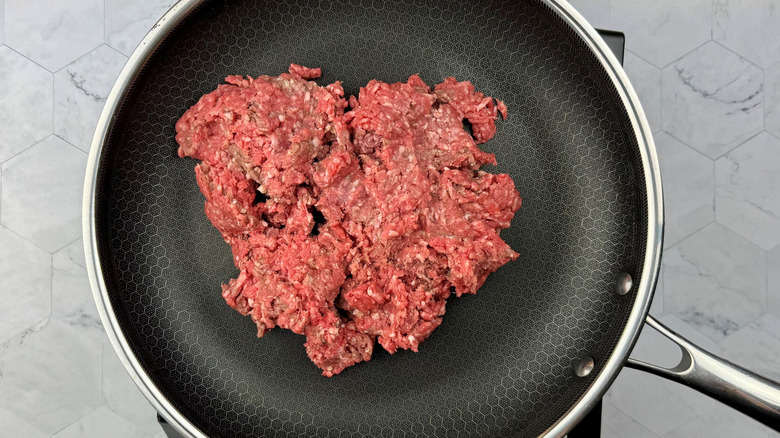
x: 689, y: 332
x: 747, y: 188
x: 663, y: 30
x: 772, y: 100
x: 689, y: 188
x: 715, y: 281
x: 749, y: 27
x: 756, y: 346
x: 80, y: 90
x: 2, y: 19
x: 42, y: 186
x: 25, y: 284
x: 57, y: 358
x: 714, y: 288
x: 712, y: 99
x: 26, y: 96
x: 53, y: 33
x: 72, y: 300
x: 128, y: 21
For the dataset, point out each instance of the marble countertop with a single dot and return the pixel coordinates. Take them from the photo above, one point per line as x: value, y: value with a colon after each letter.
x: 707, y: 73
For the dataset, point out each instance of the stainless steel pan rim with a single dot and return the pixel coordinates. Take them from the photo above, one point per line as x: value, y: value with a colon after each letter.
x: 644, y: 289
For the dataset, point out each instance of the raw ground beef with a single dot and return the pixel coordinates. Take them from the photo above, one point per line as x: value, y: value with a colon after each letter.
x: 350, y: 219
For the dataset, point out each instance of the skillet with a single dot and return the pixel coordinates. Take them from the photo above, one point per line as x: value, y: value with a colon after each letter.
x: 545, y: 336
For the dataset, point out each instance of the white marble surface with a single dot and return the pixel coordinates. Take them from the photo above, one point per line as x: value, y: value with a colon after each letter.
x: 127, y: 21
x: 616, y: 424
x: 661, y: 31
x: 712, y: 99
x: 772, y: 98
x: 755, y: 214
x: 26, y: 96
x: 2, y: 20
x: 597, y: 12
x: 13, y: 427
x: 659, y: 405
x: 43, y: 188
x: 646, y: 79
x: 756, y: 346
x: 101, y: 422
x: 53, y: 33
x: 80, y: 90
x: 706, y: 71
x: 773, y: 280
x: 64, y: 366
x: 71, y: 296
x: 657, y: 306
x: 760, y: 45
x: 25, y: 267
x: 689, y: 188
x: 715, y: 281
x: 121, y: 394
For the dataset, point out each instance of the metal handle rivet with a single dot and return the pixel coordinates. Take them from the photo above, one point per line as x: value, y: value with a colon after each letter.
x: 584, y: 367
x: 623, y: 283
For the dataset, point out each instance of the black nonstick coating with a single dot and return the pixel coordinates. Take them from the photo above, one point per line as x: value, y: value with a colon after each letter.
x: 502, y: 363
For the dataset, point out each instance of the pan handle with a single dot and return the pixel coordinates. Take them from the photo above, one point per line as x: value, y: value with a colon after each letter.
x: 749, y: 393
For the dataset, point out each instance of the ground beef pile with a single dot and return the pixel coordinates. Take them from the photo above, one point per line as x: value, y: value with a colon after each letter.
x: 350, y: 219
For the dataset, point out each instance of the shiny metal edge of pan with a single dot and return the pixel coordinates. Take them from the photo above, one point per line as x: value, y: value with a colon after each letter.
x: 655, y: 219
x: 644, y: 291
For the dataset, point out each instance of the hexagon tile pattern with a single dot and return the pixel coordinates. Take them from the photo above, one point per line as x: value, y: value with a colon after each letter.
x: 25, y: 286
x: 616, y: 424
x: 715, y: 281
x: 646, y: 80
x: 663, y: 30
x: 14, y: 427
x: 689, y: 182
x: 748, y: 27
x: 128, y: 21
x: 25, y: 103
x: 80, y: 90
x: 52, y: 355
x: 663, y: 405
x: 772, y: 101
x: 72, y: 300
x: 747, y: 189
x: 42, y: 193
x: 101, y: 423
x: 712, y: 99
x: 37, y: 28
x: 756, y: 346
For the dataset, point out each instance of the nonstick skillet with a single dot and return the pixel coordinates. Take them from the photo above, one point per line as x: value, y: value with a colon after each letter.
x: 529, y: 355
